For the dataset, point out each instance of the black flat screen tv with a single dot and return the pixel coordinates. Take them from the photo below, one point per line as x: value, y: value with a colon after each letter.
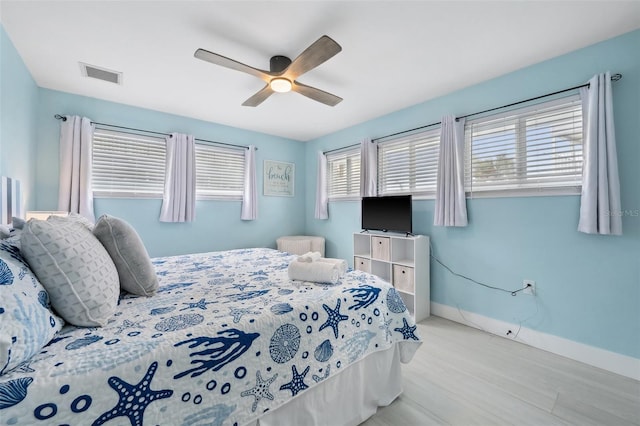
x: 389, y: 213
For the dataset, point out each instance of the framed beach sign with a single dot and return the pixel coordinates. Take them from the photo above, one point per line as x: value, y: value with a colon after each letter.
x: 279, y: 178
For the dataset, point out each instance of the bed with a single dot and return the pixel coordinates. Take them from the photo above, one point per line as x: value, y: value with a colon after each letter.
x: 228, y: 340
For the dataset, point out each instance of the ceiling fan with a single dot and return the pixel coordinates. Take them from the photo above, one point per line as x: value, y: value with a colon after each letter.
x: 283, y: 72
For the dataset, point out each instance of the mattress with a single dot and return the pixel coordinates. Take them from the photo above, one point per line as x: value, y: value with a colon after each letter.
x: 228, y: 339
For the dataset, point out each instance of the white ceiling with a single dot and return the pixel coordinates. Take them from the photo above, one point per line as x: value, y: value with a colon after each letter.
x: 395, y: 53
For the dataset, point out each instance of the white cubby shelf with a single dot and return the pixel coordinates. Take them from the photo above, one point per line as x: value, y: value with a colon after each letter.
x: 400, y: 260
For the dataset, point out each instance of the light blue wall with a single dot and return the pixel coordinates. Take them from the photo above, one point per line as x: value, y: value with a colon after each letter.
x: 217, y: 225
x: 588, y: 286
x: 18, y: 109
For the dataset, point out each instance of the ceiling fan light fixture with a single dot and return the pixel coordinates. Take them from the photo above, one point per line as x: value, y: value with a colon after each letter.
x: 280, y: 85
x: 283, y: 72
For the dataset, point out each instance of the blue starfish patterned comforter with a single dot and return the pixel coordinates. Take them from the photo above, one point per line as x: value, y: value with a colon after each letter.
x: 227, y: 338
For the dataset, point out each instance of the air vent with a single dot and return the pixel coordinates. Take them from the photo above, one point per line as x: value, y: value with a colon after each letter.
x: 101, y: 73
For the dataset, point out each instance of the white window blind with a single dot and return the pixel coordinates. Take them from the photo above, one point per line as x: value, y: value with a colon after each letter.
x: 219, y: 172
x: 409, y: 164
x: 528, y: 149
x: 343, y: 174
x: 127, y: 165
x: 132, y: 165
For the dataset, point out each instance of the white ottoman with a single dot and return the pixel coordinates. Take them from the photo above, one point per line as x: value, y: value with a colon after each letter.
x: 301, y: 244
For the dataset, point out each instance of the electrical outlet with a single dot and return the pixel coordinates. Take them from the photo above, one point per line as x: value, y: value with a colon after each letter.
x: 529, y: 287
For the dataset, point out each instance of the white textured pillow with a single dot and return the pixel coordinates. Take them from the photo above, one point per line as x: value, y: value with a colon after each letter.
x: 75, y: 217
x: 74, y: 268
x: 124, y: 245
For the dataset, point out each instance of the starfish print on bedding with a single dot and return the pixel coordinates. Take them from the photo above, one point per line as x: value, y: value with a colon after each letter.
x: 260, y: 390
x: 407, y: 332
x: 297, y: 383
x: 133, y: 399
x: 334, y: 317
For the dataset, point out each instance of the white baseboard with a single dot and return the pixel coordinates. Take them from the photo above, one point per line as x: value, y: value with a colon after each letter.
x: 607, y: 360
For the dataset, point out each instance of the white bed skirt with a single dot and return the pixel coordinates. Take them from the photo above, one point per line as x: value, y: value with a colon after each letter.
x: 347, y: 399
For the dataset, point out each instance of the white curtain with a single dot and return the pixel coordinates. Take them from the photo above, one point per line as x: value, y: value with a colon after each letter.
x: 179, y: 199
x: 451, y: 204
x: 75, y: 194
x: 322, y: 198
x: 249, y: 198
x: 600, y: 207
x: 368, y: 169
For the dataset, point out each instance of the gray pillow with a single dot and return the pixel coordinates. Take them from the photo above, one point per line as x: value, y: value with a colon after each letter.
x: 17, y: 222
x: 5, y: 231
x: 136, y: 272
x: 74, y: 268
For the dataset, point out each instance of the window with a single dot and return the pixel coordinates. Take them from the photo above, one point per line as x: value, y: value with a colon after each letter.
x: 219, y: 172
x: 537, y: 148
x: 127, y: 165
x: 343, y: 174
x: 409, y: 165
x: 132, y: 165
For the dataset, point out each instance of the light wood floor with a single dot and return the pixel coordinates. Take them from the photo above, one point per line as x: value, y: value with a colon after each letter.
x: 463, y: 376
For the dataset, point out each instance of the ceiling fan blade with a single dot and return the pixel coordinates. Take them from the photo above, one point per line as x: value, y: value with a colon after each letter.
x: 259, y: 97
x: 316, y: 94
x: 320, y: 51
x: 223, y: 61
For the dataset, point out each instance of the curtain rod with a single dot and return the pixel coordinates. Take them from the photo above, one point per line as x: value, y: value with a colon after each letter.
x: 407, y: 131
x: 340, y: 149
x: 614, y: 77
x: 63, y: 118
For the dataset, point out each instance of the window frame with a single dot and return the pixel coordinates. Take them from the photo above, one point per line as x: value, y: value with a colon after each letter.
x: 519, y: 117
x: 347, y: 154
x: 156, y: 144
x: 431, y: 140
x: 127, y: 136
x: 225, y: 151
